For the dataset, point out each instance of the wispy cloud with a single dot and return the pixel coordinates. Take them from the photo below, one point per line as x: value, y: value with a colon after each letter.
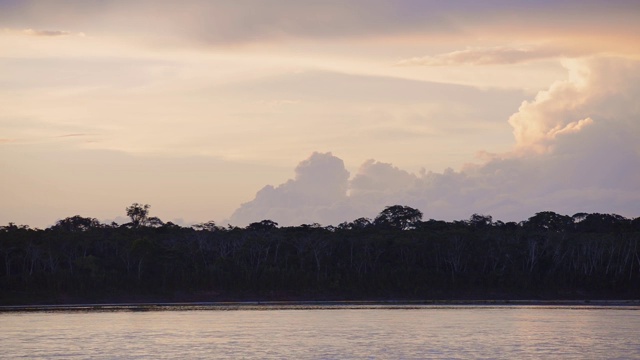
x: 499, y: 55
x: 73, y: 135
x: 32, y: 32
x: 39, y: 32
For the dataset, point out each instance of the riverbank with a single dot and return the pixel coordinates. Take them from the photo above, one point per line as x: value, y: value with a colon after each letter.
x: 318, y: 305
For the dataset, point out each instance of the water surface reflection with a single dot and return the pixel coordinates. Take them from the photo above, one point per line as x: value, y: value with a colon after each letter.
x: 414, y: 332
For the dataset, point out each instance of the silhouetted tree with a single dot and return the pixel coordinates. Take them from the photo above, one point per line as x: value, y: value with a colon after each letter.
x: 601, y: 222
x: 398, y: 217
x: 480, y: 221
x: 139, y: 214
x: 357, y: 224
x: 76, y: 223
x: 263, y: 225
x: 550, y: 221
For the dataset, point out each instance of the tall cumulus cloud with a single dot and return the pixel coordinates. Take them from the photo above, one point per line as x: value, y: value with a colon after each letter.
x: 576, y: 149
x: 318, y: 189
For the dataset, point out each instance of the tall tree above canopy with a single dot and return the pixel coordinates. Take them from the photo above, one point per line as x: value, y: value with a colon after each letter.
x: 549, y: 220
x: 399, y: 217
x: 139, y: 214
x: 76, y: 224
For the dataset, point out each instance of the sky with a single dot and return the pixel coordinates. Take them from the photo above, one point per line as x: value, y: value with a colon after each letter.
x: 317, y: 112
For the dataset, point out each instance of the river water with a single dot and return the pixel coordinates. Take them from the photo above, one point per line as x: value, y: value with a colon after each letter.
x: 413, y: 332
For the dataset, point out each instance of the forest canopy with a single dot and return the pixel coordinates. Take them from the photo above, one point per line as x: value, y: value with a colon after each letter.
x: 396, y: 255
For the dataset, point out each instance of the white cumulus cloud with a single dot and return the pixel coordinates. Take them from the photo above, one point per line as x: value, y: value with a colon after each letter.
x: 319, y: 187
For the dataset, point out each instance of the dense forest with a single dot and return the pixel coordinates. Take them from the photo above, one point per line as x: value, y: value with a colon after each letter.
x: 397, y: 255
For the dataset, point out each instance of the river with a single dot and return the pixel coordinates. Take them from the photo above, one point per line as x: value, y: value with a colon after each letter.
x: 332, y: 332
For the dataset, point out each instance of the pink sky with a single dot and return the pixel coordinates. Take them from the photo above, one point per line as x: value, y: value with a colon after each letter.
x: 343, y: 107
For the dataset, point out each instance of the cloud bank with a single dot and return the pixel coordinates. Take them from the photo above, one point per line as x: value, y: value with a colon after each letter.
x: 575, y: 150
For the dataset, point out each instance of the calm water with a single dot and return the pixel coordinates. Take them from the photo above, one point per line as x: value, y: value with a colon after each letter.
x: 470, y: 332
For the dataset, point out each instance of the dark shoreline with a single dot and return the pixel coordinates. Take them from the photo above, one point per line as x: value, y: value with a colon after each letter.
x: 316, y: 305
x: 548, y: 259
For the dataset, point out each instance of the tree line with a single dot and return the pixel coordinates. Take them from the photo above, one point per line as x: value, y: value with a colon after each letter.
x: 396, y: 255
